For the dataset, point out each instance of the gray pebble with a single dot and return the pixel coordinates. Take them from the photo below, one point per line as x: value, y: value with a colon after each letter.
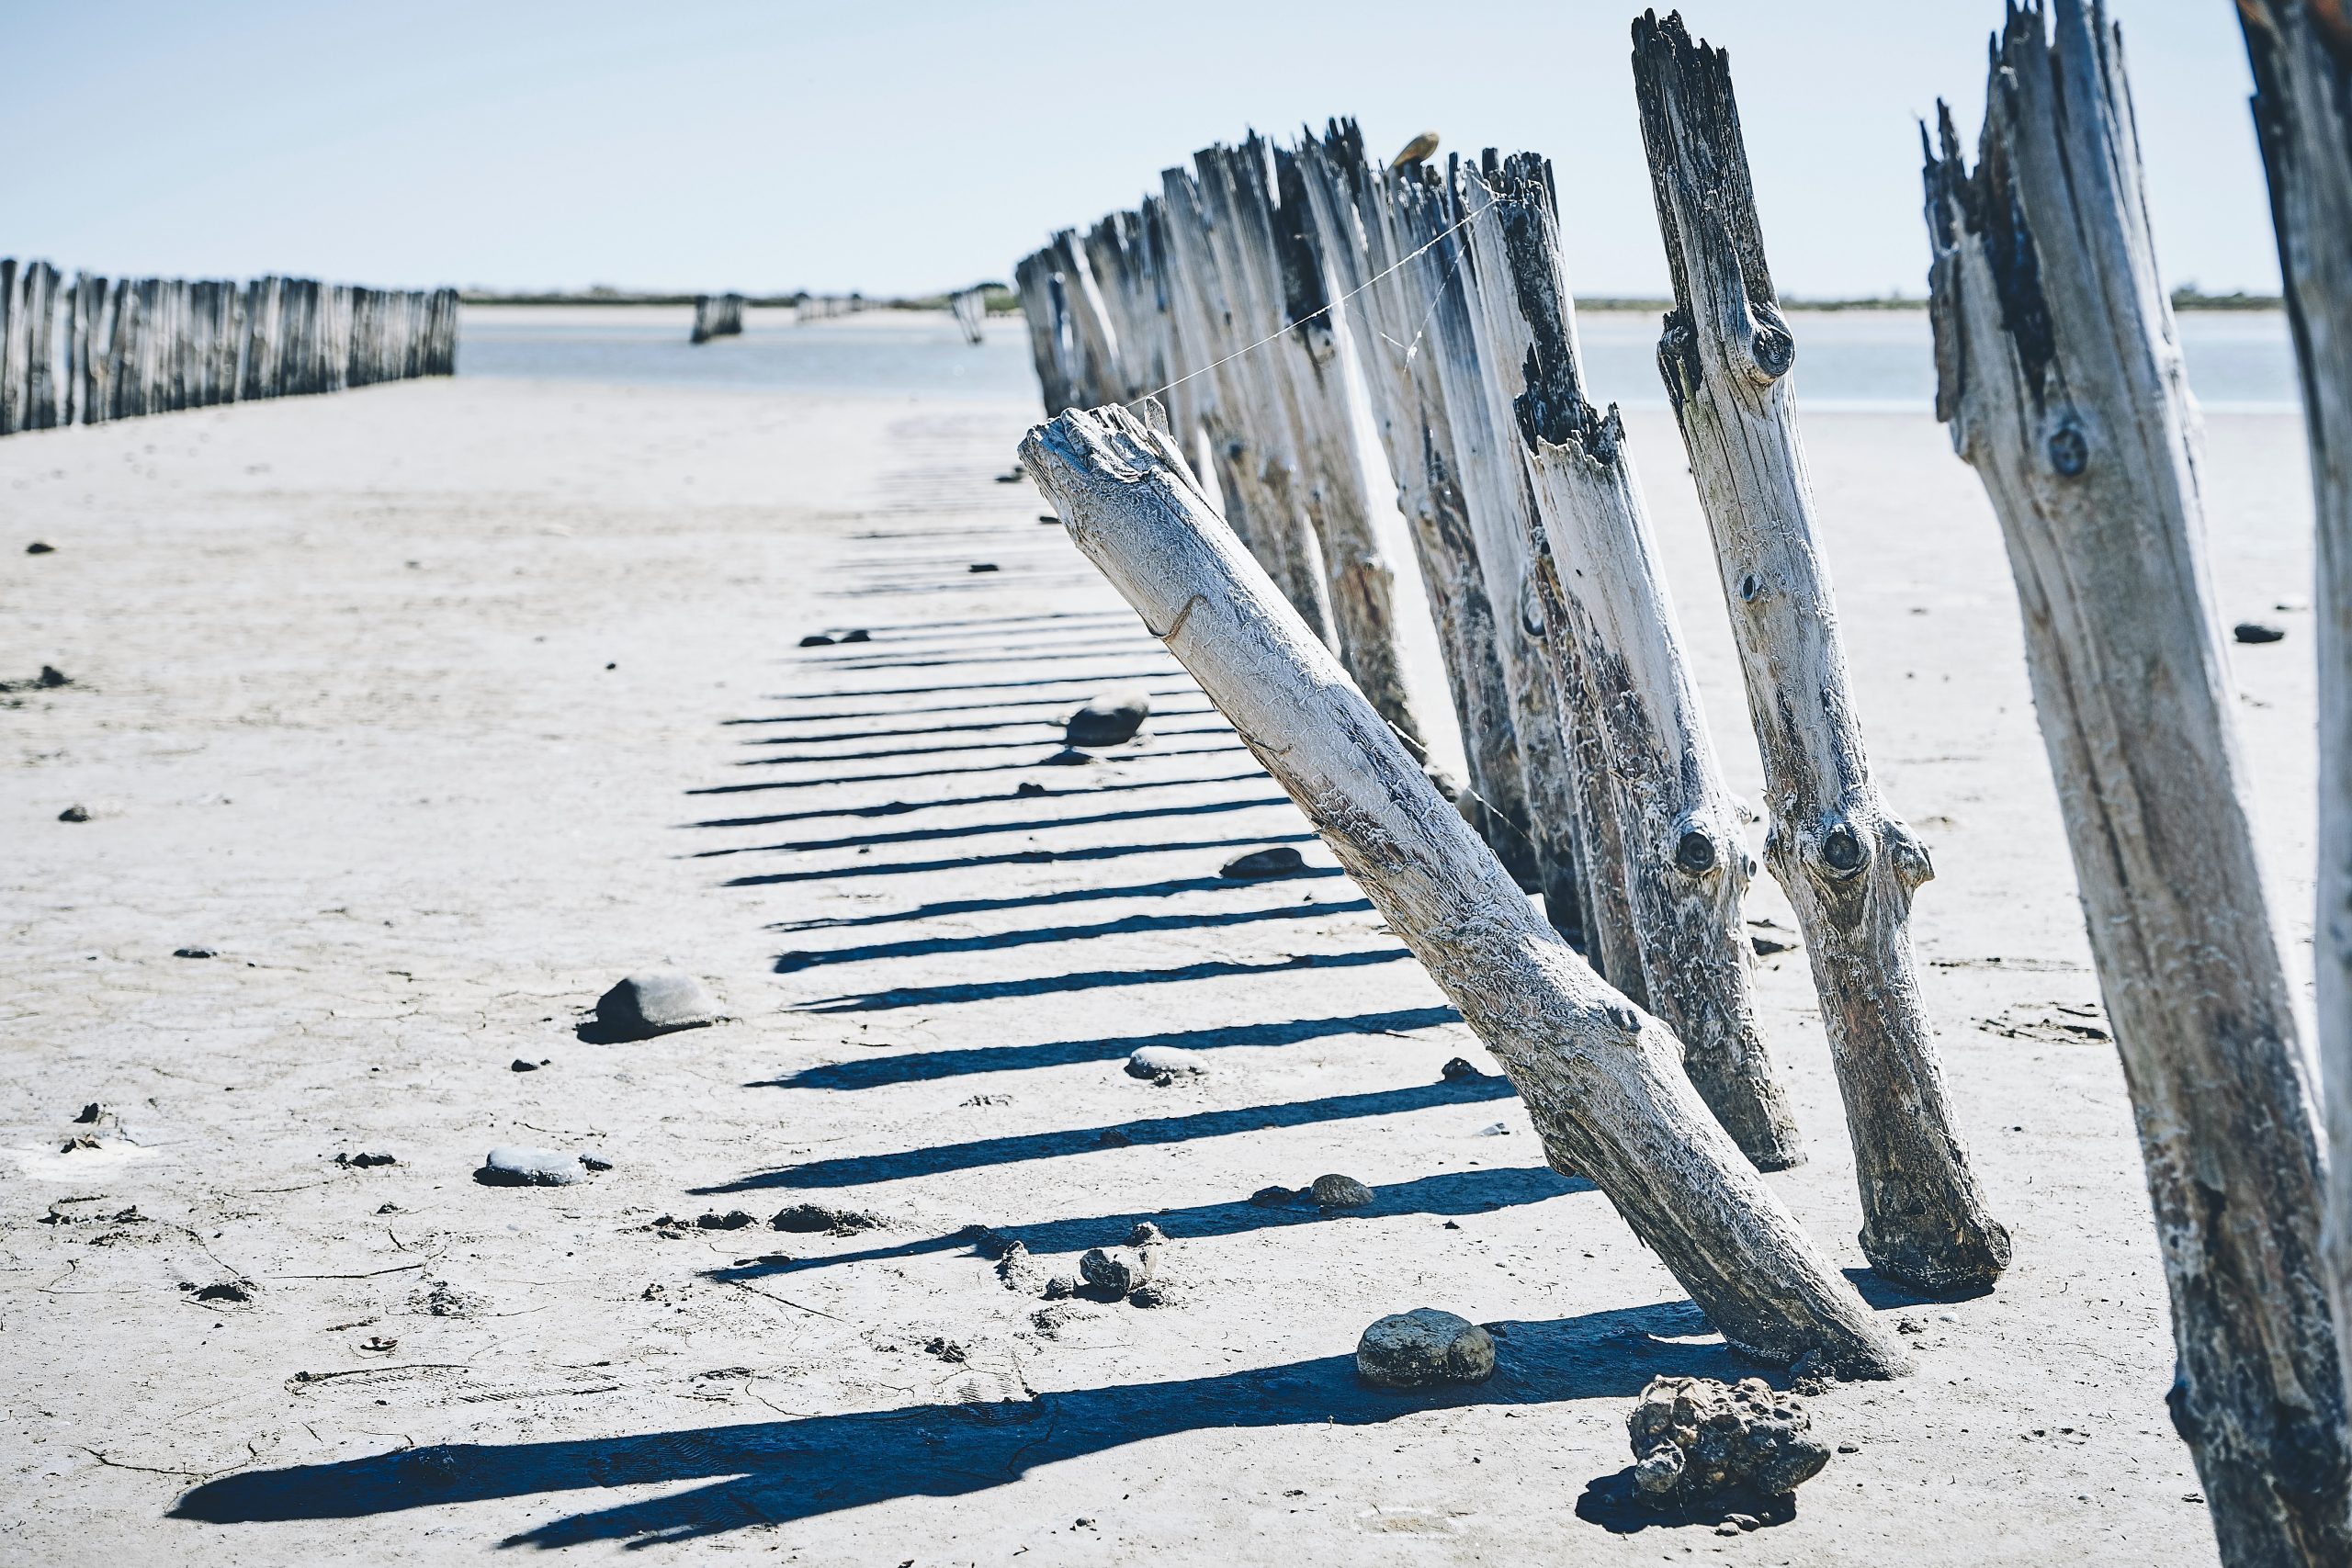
x: 2258, y: 631
x: 75, y: 814
x: 1341, y: 1192
x: 1424, y: 1348
x: 1263, y: 865
x: 654, y: 1001
x: 1110, y: 719
x: 1161, y: 1063
x: 512, y: 1165
x: 1119, y: 1269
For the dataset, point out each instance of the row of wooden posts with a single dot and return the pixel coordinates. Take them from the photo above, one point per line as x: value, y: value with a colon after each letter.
x: 1239, y: 312
x: 85, y: 350
x: 970, y: 307
x: 716, y: 315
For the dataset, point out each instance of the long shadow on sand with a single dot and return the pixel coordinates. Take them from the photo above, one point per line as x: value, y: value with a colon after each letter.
x: 1039, y: 900
x: 854, y: 1170
x: 1448, y: 1192
x: 994, y: 942
x: 1018, y: 857
x: 768, y: 1473
x: 1092, y: 980
x: 874, y: 1072
x: 959, y: 746
x: 899, y: 808
x: 977, y: 830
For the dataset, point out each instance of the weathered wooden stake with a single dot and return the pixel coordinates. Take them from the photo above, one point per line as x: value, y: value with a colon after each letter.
x: 1602, y: 1079
x: 1500, y: 512
x: 2060, y: 374
x: 1847, y: 862
x: 1356, y: 226
x: 2301, y: 55
x: 970, y: 309
x: 1685, y: 867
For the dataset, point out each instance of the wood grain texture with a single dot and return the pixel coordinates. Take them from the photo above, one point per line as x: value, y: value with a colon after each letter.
x: 2060, y: 374
x: 1683, y: 865
x: 2301, y: 56
x: 1847, y: 862
x: 1602, y: 1079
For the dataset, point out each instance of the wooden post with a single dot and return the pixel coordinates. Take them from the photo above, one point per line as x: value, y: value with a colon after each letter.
x: 12, y: 329
x: 1259, y: 460
x: 1499, y: 511
x: 1685, y: 867
x: 1847, y: 862
x: 1097, y: 341
x: 1041, y: 309
x: 1355, y: 225
x: 970, y: 309
x: 2301, y: 55
x: 1602, y: 1079
x: 2059, y: 372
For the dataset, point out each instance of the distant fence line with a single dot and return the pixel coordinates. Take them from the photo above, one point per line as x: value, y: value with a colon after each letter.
x: 824, y: 307
x: 970, y: 307
x: 90, y: 349
x: 716, y: 315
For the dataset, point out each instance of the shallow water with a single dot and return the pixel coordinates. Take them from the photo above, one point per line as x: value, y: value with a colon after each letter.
x: 1863, y: 361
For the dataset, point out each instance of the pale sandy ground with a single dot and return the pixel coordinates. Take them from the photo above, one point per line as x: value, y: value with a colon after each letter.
x: 433, y: 708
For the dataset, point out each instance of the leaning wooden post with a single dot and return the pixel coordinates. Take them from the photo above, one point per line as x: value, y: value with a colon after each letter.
x: 1602, y: 1079
x: 2301, y: 56
x: 1354, y: 218
x: 1848, y: 864
x: 2060, y: 374
x: 1498, y: 505
x: 1685, y: 864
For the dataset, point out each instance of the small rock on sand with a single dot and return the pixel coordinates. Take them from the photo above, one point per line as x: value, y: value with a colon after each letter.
x: 981, y: 566
x: 2258, y: 631
x: 817, y: 639
x: 195, y: 953
x: 1459, y: 1071
x: 858, y: 635
x: 1119, y: 1269
x: 1424, y: 1348
x: 1110, y: 719
x: 512, y: 1165
x: 1696, y: 1438
x: 1274, y: 1197
x: 1161, y: 1064
x: 51, y: 675
x: 75, y: 814
x: 654, y: 1001
x: 814, y: 1218
x: 1335, y: 1192
x: 1263, y: 865
x: 40, y: 547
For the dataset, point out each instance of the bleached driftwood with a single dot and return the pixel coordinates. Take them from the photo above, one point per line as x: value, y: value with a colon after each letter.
x: 1684, y: 865
x: 1602, y: 1079
x: 2301, y: 55
x: 1848, y: 865
x: 1500, y: 512
x: 1356, y: 226
x: 2060, y: 374
x: 1040, y: 309
x: 716, y: 315
x: 1097, y: 376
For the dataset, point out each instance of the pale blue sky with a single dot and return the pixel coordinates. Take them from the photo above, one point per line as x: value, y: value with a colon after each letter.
x: 922, y: 145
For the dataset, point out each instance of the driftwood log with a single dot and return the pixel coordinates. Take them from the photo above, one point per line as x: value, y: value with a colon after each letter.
x: 1684, y: 865
x: 1602, y: 1079
x: 2060, y: 374
x: 2301, y: 55
x: 1848, y: 865
x: 1354, y: 215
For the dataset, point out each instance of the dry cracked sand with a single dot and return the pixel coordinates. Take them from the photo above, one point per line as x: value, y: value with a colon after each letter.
x: 433, y: 709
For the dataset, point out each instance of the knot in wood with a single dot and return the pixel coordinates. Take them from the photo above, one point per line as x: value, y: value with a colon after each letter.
x: 1842, y: 850
x: 1749, y: 587
x: 1772, y: 350
x: 1694, y: 852
x: 2070, y: 451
